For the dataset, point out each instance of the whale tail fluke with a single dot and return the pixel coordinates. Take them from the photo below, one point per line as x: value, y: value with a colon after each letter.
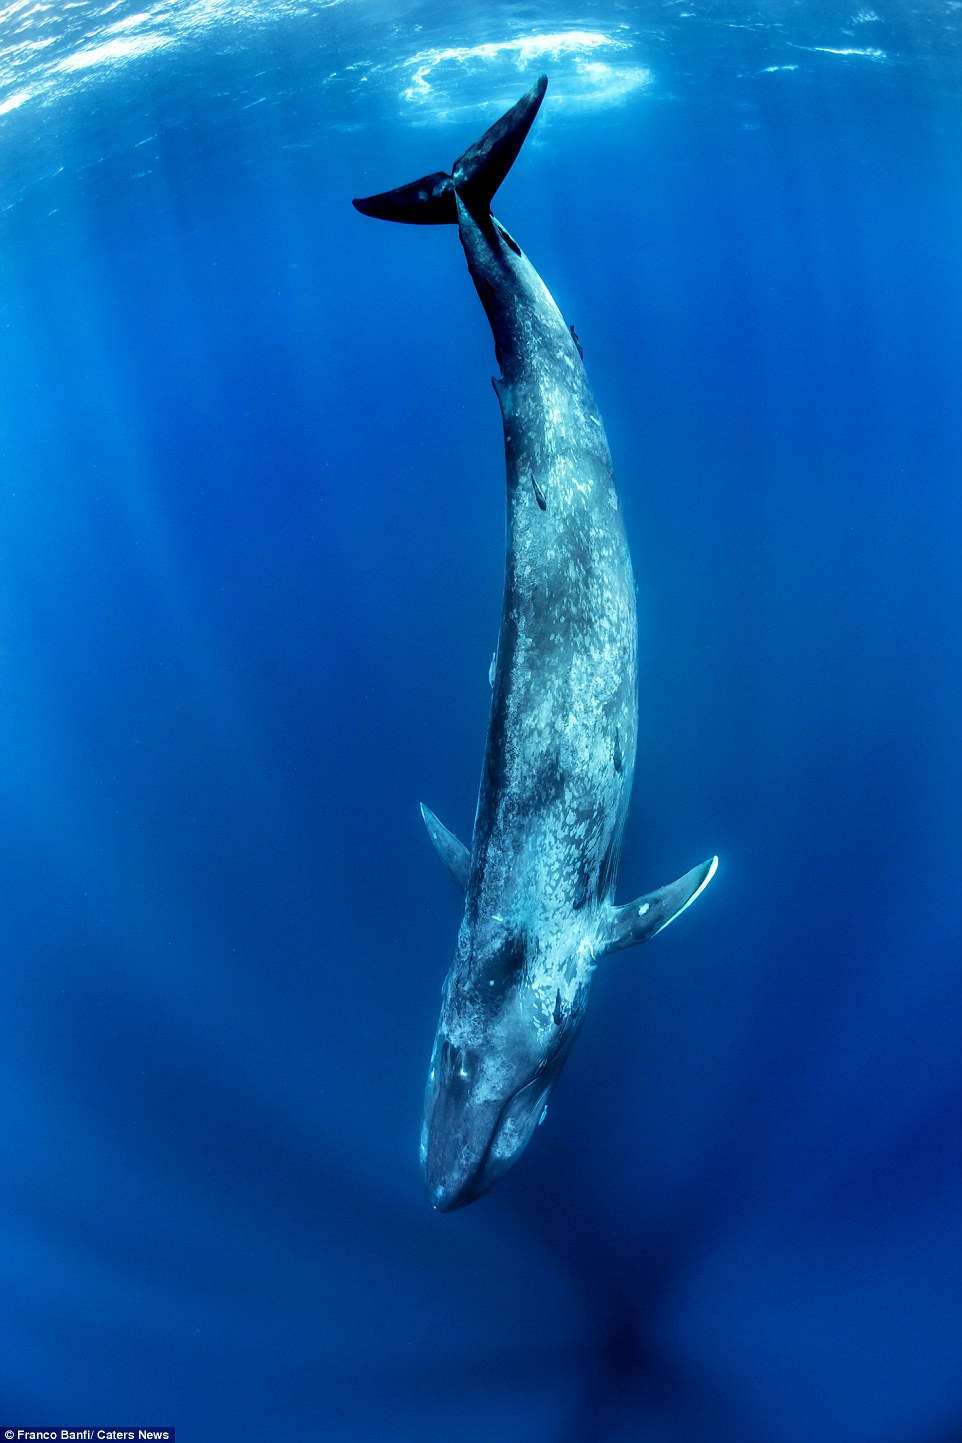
x: 475, y: 176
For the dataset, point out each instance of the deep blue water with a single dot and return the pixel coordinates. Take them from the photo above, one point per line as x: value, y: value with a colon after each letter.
x: 252, y: 542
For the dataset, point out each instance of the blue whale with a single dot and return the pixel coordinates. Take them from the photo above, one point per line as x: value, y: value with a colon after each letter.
x: 539, y: 876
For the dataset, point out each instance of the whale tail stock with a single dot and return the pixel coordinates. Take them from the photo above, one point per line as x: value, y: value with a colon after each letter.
x: 475, y: 176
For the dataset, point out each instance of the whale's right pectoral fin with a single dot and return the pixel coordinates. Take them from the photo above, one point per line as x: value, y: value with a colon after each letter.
x: 641, y: 919
x: 453, y: 854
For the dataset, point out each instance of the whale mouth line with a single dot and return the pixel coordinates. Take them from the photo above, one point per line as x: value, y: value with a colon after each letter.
x: 564, y: 1037
x: 468, y: 1193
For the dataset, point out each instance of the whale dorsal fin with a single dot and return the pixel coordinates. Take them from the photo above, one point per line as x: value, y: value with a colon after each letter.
x: 641, y: 919
x: 453, y: 854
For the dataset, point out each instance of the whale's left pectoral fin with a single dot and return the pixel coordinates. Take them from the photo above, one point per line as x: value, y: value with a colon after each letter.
x: 641, y: 919
x: 453, y: 854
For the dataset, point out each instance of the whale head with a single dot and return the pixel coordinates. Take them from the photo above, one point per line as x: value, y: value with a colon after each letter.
x: 493, y: 1066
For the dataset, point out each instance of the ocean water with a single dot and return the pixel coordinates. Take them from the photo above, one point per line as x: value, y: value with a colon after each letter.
x: 251, y: 479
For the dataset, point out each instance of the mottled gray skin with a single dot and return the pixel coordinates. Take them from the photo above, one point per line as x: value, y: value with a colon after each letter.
x: 560, y: 748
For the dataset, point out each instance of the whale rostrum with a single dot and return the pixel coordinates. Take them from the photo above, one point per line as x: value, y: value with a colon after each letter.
x: 539, y: 875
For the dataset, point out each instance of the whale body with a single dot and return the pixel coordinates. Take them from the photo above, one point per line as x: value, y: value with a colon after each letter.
x: 539, y: 876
